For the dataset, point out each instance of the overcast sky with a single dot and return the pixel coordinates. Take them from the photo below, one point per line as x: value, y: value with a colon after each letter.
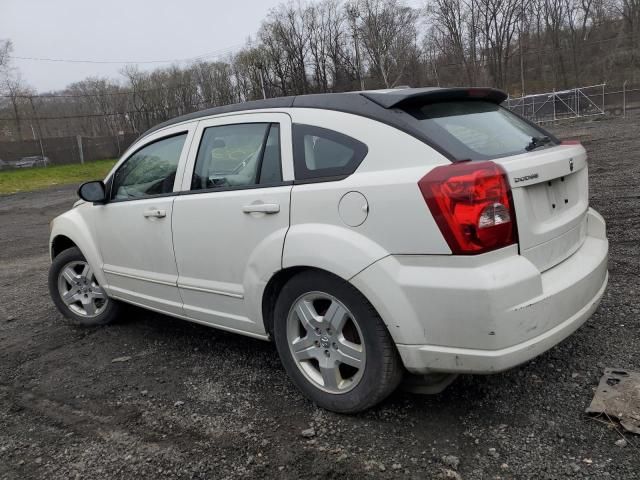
x: 127, y: 30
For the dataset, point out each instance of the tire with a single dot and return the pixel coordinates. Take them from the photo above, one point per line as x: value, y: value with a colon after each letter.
x: 87, y: 304
x: 333, y: 344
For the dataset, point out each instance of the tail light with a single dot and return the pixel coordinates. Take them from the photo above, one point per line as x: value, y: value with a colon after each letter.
x: 472, y: 204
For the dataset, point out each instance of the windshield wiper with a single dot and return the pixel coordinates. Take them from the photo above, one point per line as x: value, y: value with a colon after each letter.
x: 537, y: 142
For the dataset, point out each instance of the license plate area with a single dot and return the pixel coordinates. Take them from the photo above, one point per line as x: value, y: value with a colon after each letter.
x: 554, y: 197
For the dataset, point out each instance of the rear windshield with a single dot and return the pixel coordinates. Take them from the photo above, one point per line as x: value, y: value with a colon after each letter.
x: 477, y: 130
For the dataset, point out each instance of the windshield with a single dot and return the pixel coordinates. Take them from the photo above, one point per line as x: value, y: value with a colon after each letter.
x: 477, y: 130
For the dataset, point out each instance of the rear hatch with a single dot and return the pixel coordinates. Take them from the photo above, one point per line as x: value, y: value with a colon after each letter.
x: 551, y: 197
x: 548, y: 179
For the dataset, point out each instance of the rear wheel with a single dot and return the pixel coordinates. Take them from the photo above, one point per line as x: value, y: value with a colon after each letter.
x: 333, y: 343
x: 76, y: 291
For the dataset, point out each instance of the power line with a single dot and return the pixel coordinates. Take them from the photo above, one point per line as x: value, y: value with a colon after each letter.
x: 108, y: 114
x: 101, y: 94
x: 215, y: 53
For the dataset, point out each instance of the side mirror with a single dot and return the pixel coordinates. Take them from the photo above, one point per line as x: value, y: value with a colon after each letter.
x: 93, y: 191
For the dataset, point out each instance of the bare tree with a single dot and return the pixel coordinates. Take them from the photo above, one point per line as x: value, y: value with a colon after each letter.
x: 388, y: 32
x: 6, y: 47
x: 630, y: 12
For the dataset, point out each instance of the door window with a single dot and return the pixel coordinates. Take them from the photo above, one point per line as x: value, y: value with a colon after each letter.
x: 238, y: 155
x: 149, y: 171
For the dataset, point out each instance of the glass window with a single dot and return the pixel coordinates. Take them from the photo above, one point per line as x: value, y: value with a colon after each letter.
x: 238, y: 155
x: 149, y: 171
x: 475, y: 129
x: 322, y: 153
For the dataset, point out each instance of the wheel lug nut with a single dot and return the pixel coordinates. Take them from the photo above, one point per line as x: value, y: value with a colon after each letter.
x: 334, y: 345
x: 326, y: 352
x: 316, y: 343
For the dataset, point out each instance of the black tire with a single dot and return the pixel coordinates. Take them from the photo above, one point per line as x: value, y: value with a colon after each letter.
x: 383, y: 368
x: 108, y: 314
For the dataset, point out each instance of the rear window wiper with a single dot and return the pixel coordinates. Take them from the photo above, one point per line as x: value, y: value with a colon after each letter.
x: 537, y: 142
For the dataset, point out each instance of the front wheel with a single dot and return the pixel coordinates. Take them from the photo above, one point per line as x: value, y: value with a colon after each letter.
x: 76, y: 292
x: 333, y: 343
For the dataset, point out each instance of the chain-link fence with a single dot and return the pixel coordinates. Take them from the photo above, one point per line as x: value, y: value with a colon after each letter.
x: 575, y: 103
x: 62, y: 150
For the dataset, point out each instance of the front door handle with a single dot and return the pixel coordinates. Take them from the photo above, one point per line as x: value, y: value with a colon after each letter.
x: 154, y: 213
x: 261, y: 208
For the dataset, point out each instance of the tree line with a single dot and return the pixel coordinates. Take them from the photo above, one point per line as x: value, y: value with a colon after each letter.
x: 306, y: 47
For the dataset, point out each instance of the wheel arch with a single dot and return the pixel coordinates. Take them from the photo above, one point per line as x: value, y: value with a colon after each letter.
x: 278, y: 281
x: 71, y: 230
x: 331, y: 249
x: 273, y: 288
x: 59, y: 244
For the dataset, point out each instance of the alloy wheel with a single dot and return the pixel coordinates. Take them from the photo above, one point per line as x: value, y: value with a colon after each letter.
x: 326, y: 342
x: 80, y: 291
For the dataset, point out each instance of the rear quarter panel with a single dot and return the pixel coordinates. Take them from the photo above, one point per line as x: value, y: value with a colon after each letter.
x: 398, y: 220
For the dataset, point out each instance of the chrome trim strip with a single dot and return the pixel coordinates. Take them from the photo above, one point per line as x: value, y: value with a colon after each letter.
x: 208, y: 290
x: 136, y: 277
x: 247, y: 333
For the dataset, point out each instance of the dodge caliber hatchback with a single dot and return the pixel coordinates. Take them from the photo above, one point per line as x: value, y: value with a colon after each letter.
x: 370, y: 235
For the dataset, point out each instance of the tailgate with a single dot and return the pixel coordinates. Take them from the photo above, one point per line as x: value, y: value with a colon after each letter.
x: 551, y: 198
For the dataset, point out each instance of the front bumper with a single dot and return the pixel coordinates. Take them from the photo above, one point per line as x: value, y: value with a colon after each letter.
x: 487, y: 313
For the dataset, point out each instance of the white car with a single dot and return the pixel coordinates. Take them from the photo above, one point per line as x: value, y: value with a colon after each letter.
x: 368, y: 234
x: 33, y: 161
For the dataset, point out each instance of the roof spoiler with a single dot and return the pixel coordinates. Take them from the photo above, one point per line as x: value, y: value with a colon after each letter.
x: 407, y: 96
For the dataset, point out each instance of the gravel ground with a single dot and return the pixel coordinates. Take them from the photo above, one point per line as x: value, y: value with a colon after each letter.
x: 186, y: 401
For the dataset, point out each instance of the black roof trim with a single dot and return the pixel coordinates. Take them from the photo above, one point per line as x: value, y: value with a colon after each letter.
x: 279, y: 102
x: 382, y: 106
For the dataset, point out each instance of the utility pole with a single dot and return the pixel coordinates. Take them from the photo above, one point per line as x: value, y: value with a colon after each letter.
x: 80, y: 151
x: 521, y: 51
x: 33, y: 112
x: 264, y: 93
x: 354, y: 14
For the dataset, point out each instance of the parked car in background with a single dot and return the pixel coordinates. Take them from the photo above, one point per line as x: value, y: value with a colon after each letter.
x: 370, y: 235
x: 3, y: 164
x: 32, y: 161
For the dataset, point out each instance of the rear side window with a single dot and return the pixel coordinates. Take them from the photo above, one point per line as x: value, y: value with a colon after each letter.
x: 475, y: 129
x: 324, y: 154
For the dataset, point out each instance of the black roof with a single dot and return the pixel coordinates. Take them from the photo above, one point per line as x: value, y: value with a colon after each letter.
x: 380, y: 105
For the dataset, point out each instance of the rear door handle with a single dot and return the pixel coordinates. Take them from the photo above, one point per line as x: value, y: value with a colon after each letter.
x: 261, y: 208
x: 154, y: 213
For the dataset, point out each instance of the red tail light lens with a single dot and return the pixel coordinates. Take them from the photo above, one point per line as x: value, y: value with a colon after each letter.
x: 472, y: 204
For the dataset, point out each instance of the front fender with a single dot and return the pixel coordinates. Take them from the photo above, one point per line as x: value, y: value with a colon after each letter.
x: 74, y: 225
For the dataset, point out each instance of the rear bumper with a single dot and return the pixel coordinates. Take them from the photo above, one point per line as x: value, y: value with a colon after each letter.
x: 487, y: 313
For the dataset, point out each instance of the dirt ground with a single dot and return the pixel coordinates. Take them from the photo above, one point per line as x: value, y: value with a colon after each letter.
x: 192, y: 402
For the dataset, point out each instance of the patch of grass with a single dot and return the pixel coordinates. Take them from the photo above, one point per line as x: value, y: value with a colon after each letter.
x: 28, y: 179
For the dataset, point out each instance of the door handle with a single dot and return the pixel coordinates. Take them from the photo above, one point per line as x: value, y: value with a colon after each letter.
x: 154, y: 213
x: 261, y: 208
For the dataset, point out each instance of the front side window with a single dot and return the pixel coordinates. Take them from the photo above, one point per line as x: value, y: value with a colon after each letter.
x: 149, y: 171
x: 320, y: 153
x: 476, y: 129
x: 238, y: 155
